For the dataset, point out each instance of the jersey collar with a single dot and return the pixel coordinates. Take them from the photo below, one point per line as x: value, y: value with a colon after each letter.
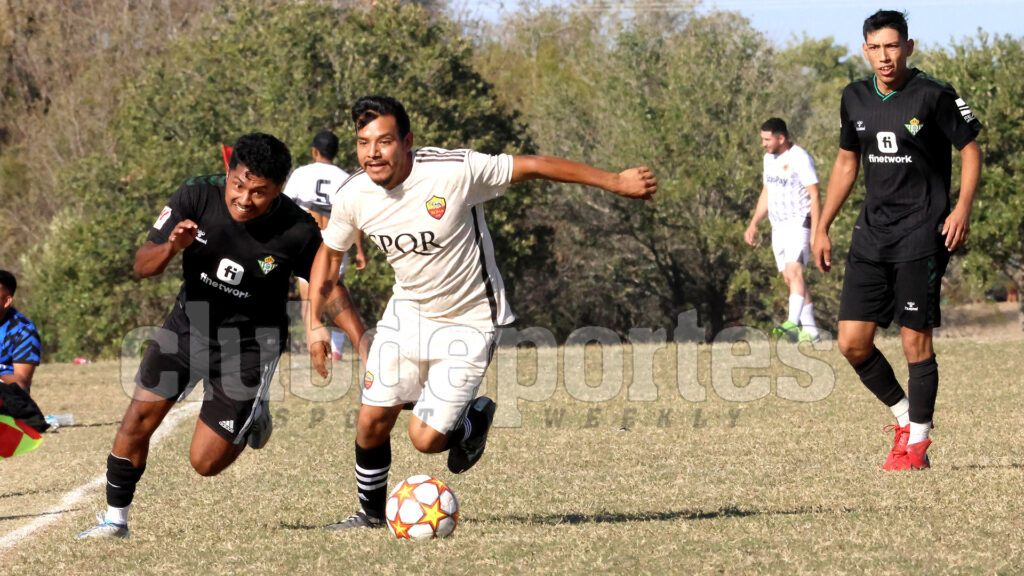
x: 911, y: 72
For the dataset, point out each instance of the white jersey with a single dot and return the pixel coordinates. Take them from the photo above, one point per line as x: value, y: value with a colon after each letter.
x: 786, y: 178
x: 311, y: 186
x: 431, y: 229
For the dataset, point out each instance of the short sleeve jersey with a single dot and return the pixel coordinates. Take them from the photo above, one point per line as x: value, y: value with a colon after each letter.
x: 241, y: 269
x: 19, y: 341
x: 311, y: 186
x: 786, y: 178
x: 904, y: 143
x: 431, y: 229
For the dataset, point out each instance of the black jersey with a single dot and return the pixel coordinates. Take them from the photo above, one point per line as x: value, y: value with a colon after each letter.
x: 904, y: 143
x: 241, y: 269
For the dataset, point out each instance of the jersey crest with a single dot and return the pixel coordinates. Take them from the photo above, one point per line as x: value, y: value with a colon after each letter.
x: 368, y: 380
x: 435, y: 207
x: 267, y: 264
x: 914, y: 126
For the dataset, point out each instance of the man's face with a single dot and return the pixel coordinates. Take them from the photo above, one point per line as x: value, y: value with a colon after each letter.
x: 248, y: 196
x: 386, y: 157
x: 887, y: 54
x: 772, y: 143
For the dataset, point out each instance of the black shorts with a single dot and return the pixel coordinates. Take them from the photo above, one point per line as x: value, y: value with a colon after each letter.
x: 907, y: 292
x: 236, y: 370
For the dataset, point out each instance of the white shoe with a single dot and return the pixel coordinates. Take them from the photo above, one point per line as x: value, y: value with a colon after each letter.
x: 105, y: 530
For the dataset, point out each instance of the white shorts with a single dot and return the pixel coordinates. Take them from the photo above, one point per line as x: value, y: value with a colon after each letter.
x: 437, y: 366
x: 791, y: 242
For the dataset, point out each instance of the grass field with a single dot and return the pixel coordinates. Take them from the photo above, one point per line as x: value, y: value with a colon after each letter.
x: 617, y: 486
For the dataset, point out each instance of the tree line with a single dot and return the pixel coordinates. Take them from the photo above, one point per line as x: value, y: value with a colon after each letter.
x: 108, y: 106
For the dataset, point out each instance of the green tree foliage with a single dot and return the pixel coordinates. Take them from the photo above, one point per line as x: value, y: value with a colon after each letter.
x: 988, y: 72
x: 289, y: 71
x: 684, y: 94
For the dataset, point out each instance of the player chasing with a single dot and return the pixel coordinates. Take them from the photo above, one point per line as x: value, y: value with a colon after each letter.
x: 423, y: 209
x: 789, y: 196
x: 310, y: 186
x: 900, y: 123
x: 241, y: 243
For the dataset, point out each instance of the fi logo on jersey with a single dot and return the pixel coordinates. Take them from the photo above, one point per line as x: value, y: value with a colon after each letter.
x: 435, y: 207
x: 230, y: 272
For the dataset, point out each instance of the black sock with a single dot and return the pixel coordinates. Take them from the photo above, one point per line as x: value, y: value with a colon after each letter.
x: 372, y: 467
x: 923, y: 386
x: 121, y: 480
x: 474, y: 421
x: 876, y: 373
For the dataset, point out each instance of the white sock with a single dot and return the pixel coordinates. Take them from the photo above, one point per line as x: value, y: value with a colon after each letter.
x: 117, y: 515
x: 919, y: 432
x: 796, y: 304
x: 337, y: 341
x: 901, y: 410
x: 807, y: 319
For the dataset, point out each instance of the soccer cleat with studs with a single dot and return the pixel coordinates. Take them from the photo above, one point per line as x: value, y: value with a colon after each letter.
x: 787, y: 330
x: 463, y: 455
x: 105, y: 530
x: 358, y: 520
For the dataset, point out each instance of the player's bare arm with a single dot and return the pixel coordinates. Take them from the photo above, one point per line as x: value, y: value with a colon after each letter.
x: 322, y: 284
x: 840, y: 183
x: 151, y: 259
x: 22, y: 376
x: 958, y: 224
x: 638, y: 183
x: 760, y: 211
x: 360, y: 253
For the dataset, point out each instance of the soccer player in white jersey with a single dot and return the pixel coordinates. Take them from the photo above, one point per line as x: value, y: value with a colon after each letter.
x: 311, y: 186
x: 789, y: 196
x: 424, y: 210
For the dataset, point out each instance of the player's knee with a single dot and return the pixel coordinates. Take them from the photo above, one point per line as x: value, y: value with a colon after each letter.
x: 428, y: 441
x: 205, y: 466
x: 854, y: 350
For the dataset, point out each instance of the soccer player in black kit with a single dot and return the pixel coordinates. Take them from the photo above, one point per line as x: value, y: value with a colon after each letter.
x: 242, y: 240
x: 900, y: 123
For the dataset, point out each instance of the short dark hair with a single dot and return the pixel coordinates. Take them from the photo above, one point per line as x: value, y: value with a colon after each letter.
x: 326, y: 143
x: 887, y: 19
x: 7, y: 280
x: 776, y: 126
x: 264, y: 156
x: 369, y: 108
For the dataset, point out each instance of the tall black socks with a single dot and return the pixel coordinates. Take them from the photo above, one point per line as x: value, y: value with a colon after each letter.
x: 372, y: 467
x: 923, y: 386
x: 121, y: 480
x: 876, y: 373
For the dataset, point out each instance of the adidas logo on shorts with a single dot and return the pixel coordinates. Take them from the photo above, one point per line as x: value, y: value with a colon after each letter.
x: 228, y: 425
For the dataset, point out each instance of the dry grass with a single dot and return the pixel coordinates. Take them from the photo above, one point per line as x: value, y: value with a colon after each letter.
x: 765, y: 486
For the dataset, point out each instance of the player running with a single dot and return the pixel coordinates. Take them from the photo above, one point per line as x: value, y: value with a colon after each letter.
x: 424, y: 210
x: 789, y: 196
x: 242, y: 242
x: 900, y: 123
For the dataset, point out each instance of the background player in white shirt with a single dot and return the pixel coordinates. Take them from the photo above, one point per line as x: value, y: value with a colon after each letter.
x: 311, y: 187
x: 789, y: 196
x: 423, y: 209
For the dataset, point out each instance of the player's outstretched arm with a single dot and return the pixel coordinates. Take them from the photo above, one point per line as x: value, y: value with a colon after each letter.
x: 323, y: 279
x: 638, y: 183
x: 750, y: 235
x: 958, y: 224
x: 343, y: 314
x: 844, y: 173
x: 151, y: 259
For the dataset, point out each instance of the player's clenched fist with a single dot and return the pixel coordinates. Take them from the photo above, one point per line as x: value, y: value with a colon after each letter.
x: 638, y: 183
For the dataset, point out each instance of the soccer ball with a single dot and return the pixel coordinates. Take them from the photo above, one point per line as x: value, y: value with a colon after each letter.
x: 422, y: 507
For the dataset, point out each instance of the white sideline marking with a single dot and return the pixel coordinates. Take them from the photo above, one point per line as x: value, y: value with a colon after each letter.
x: 72, y: 498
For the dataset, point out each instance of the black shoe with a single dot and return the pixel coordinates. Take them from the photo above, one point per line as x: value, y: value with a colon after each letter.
x: 357, y: 520
x: 463, y: 455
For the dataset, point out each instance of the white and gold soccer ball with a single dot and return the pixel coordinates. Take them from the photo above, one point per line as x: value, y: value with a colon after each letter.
x: 422, y: 507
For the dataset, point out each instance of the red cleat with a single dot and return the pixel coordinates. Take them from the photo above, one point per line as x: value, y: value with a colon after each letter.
x: 917, y: 455
x: 899, y: 447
